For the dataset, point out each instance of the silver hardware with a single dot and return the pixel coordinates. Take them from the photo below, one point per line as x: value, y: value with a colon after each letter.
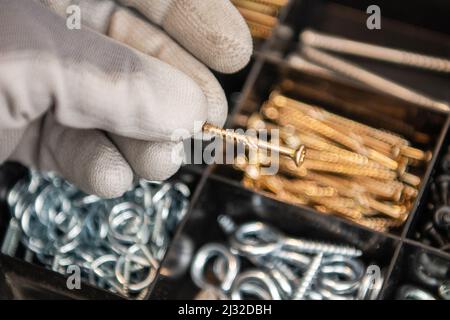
x: 257, y: 278
x: 207, y: 252
x: 340, y: 275
x: 287, y: 268
x: 256, y: 238
x: 308, y: 278
x: 408, y: 292
x: 444, y: 290
x: 117, y: 243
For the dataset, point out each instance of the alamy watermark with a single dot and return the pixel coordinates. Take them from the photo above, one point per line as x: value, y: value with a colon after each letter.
x: 73, y: 20
x: 73, y: 281
x: 373, y: 272
x: 374, y: 20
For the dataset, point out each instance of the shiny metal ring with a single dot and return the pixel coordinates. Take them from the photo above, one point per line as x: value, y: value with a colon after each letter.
x: 256, y: 238
x: 408, y: 292
x: 201, y: 260
x: 123, y: 268
x: 258, y: 278
x: 341, y: 275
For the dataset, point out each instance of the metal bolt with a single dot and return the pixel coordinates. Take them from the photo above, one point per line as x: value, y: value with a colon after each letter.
x: 271, y: 240
x: 431, y: 233
x: 315, y: 247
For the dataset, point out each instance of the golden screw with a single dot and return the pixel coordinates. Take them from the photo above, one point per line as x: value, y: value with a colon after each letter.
x: 351, y: 170
x: 381, y: 224
x: 257, y: 7
x: 415, y: 153
x: 308, y: 188
x: 393, y: 211
x: 339, y: 207
x: 259, y: 30
x: 381, y: 188
x: 294, y: 138
x: 409, y: 192
x: 355, y: 127
x: 290, y: 116
x: 410, y: 179
x: 353, y: 190
x: 253, y: 180
x: 382, y: 141
x: 297, y: 155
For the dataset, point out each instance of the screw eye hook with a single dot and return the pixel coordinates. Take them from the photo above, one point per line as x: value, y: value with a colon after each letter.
x: 256, y: 238
x: 228, y: 264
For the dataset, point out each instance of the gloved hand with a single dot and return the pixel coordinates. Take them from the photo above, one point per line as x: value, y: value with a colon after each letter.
x: 99, y: 104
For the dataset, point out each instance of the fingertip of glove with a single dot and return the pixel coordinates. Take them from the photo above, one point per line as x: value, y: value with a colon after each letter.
x: 164, y: 160
x: 232, y: 52
x: 155, y: 161
x: 214, y: 31
x: 169, y: 163
x: 105, y: 173
x: 109, y: 181
x: 177, y: 105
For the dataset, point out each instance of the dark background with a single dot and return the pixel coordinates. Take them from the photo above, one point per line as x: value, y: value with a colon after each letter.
x: 430, y: 14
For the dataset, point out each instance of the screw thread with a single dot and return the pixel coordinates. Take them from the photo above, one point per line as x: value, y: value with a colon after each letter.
x: 226, y: 224
x: 309, y: 277
x: 315, y: 247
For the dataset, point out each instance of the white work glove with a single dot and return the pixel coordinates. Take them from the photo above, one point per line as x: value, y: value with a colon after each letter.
x: 100, y: 104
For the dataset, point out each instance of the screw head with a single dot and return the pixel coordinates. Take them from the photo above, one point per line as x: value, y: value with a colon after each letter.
x: 441, y: 218
x: 432, y: 234
x: 300, y: 155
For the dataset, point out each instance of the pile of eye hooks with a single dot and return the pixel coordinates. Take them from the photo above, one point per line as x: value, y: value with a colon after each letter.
x: 118, y: 244
x: 282, y: 268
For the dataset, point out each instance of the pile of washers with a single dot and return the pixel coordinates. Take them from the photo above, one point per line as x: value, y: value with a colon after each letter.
x: 117, y: 244
x: 262, y: 263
